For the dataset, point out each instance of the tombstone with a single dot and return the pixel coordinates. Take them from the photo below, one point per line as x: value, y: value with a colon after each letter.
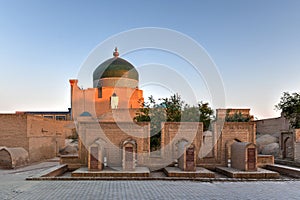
x: 94, y: 160
x: 190, y: 159
x: 187, y: 161
x: 244, y: 156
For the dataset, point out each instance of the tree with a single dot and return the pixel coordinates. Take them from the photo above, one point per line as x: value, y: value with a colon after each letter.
x: 190, y: 113
x: 153, y: 113
x: 206, y: 114
x: 200, y: 113
x: 171, y: 109
x: 290, y: 106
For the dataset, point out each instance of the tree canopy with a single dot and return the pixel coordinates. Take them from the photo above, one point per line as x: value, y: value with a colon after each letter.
x: 172, y: 109
x: 290, y: 106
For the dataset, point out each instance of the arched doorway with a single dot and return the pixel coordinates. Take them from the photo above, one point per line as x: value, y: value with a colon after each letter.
x: 288, y: 150
x: 5, y: 159
x: 129, y: 154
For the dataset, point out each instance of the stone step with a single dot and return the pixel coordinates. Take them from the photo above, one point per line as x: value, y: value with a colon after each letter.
x: 285, y: 170
x: 287, y: 162
x: 259, y: 174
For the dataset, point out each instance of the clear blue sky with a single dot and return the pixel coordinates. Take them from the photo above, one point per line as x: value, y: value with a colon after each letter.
x: 255, y: 45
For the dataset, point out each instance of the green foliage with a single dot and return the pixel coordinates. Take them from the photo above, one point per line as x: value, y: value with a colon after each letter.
x: 237, y: 117
x: 190, y: 113
x: 153, y: 113
x: 290, y: 106
x: 171, y: 109
x: 200, y: 113
x: 206, y: 114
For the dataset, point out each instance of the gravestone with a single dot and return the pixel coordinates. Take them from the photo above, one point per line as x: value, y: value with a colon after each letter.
x: 244, y: 156
x: 186, y: 161
x: 93, y: 158
x: 190, y: 159
x: 251, y: 159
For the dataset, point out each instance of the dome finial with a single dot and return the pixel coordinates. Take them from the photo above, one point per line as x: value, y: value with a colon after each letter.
x: 116, y: 53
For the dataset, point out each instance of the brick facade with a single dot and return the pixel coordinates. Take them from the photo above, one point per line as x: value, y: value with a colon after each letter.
x: 272, y: 126
x: 110, y: 136
x: 41, y: 138
x: 88, y: 100
x: 223, y: 136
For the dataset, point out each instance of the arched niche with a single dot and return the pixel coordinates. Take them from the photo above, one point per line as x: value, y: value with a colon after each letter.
x: 96, y: 155
x: 129, y: 148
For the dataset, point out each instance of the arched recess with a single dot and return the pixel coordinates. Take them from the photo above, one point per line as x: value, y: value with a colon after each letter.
x: 96, y: 154
x: 129, y: 147
x: 5, y: 159
x: 288, y: 150
x: 13, y: 157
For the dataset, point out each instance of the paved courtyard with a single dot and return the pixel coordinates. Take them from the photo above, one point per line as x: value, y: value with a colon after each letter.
x: 13, y: 186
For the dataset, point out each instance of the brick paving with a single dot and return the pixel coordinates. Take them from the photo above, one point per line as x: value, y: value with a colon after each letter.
x: 14, y: 186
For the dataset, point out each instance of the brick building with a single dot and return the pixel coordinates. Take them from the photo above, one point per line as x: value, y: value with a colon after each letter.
x: 55, y: 115
x: 115, y: 88
x: 108, y: 136
x: 40, y: 137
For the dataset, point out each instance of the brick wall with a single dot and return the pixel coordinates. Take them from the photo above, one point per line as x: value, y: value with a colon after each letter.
x: 88, y: 100
x: 45, y: 137
x: 231, y: 132
x: 40, y: 137
x: 111, y: 137
x: 221, y: 113
x: 263, y: 160
x: 297, y: 145
x: 13, y: 131
x: 272, y: 126
x: 41, y: 148
x: 174, y: 132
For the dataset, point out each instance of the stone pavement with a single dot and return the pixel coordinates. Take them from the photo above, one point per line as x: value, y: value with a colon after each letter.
x: 14, y: 186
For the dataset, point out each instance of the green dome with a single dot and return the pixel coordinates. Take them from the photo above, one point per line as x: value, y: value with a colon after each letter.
x: 85, y: 114
x: 114, y: 68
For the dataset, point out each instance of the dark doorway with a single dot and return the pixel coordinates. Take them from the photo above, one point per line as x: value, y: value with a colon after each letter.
x: 288, y: 150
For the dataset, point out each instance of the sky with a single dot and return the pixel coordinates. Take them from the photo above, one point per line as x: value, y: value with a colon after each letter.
x: 255, y: 46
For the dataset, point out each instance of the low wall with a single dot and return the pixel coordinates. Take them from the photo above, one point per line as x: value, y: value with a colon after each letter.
x: 263, y: 160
